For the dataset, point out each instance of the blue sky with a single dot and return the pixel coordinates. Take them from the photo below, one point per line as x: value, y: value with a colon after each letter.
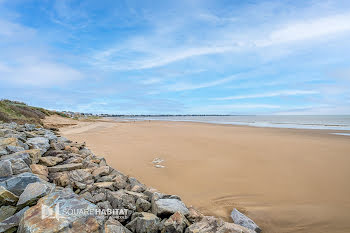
x: 177, y: 57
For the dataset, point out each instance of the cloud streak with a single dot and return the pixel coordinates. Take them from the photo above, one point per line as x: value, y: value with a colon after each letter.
x: 270, y: 94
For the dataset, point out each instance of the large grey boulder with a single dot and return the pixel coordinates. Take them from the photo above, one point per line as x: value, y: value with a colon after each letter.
x: 17, y: 184
x: 19, y: 166
x: 120, y: 199
x: 241, y: 219
x: 165, y: 207
x: 14, y: 149
x: 5, y: 168
x: 215, y: 225
x: 33, y: 192
x: 144, y: 223
x: 81, y: 175
x: 13, y: 221
x: 19, y: 155
x: 40, y: 143
x: 61, y: 211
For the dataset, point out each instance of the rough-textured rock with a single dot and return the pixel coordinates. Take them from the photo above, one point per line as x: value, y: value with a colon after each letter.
x: 100, y: 197
x: 17, y: 184
x: 135, y: 185
x: 7, y: 197
x: 144, y: 223
x: 74, y: 214
x: 50, y: 161
x: 5, y: 168
x: 6, y: 211
x: 19, y: 155
x: 40, y: 143
x: 105, y: 185
x: 30, y: 127
x: 39, y: 170
x: 73, y: 160
x: 63, y: 139
x: 108, y: 178
x: 113, y: 226
x: 34, y: 155
x: 10, y: 142
x: 60, y: 178
x: 135, y: 194
x: 19, y: 166
x: 105, y: 205
x: 3, y: 151
x: 33, y: 192
x: 71, y: 149
x: 177, y: 223
x: 194, y: 215
x: 167, y: 207
x: 55, y: 153
x: 14, y: 149
x: 12, y: 221
x: 215, y: 225
x: 120, y: 181
x: 241, y: 219
x: 65, y: 167
x: 142, y: 205
x: 88, y: 196
x: 80, y: 175
x: 101, y: 171
x: 57, y: 145
x: 120, y: 200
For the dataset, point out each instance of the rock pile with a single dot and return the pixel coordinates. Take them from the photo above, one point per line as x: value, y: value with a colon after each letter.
x: 51, y: 184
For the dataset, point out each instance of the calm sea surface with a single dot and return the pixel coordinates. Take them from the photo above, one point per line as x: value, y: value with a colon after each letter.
x: 330, y: 122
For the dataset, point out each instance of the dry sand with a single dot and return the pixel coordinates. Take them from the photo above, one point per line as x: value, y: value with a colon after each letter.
x: 286, y: 180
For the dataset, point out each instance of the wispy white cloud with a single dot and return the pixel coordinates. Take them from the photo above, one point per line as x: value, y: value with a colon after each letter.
x: 223, y: 41
x: 194, y: 86
x: 26, y: 60
x: 308, y: 29
x: 234, y: 108
x: 270, y: 94
x: 151, y: 81
x: 40, y: 74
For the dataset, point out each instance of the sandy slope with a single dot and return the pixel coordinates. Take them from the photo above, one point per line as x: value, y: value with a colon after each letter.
x: 286, y: 180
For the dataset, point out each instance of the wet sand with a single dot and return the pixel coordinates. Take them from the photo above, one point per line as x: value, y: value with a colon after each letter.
x: 286, y: 180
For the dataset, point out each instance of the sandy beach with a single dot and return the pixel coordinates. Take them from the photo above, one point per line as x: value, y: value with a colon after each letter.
x: 286, y: 180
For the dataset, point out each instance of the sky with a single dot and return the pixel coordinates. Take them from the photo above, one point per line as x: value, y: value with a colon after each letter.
x: 177, y: 57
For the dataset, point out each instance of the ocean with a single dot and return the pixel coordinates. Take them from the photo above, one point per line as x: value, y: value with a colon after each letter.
x: 326, y: 122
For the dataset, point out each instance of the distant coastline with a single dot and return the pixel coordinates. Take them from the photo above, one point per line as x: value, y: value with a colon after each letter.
x: 326, y: 122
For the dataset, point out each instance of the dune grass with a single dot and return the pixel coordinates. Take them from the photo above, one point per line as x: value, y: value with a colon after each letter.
x: 22, y: 113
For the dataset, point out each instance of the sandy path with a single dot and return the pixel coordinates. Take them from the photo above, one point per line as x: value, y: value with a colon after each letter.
x: 286, y: 180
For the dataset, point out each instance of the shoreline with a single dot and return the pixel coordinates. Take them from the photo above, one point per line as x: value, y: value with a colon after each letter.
x: 287, y: 188
x: 260, y: 124
x: 303, y: 130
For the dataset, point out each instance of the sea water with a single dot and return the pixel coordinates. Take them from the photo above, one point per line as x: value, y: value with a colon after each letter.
x: 329, y: 122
